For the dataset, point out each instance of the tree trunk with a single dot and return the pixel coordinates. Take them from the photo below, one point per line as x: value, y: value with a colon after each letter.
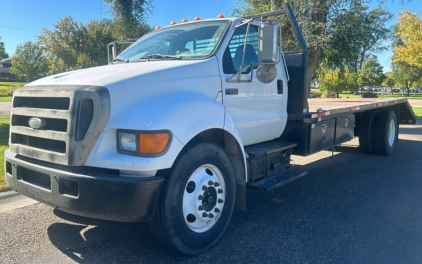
x: 319, y: 15
x: 272, y: 5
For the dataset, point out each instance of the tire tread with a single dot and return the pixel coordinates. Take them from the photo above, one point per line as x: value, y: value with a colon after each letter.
x: 365, y: 131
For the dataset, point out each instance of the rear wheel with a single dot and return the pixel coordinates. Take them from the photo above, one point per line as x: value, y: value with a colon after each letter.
x: 367, y: 127
x: 386, y: 132
x: 197, y: 200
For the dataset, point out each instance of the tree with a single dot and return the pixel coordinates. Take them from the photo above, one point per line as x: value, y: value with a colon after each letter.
x: 313, y: 17
x: 337, y: 80
x: 74, y: 45
x: 371, y: 73
x: 406, y: 75
x: 29, y: 61
x: 129, y: 17
x: 408, y: 30
x: 388, y: 82
x: 3, y: 53
x: 355, y: 35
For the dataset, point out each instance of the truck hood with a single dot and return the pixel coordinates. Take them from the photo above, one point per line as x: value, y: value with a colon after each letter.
x: 148, y: 71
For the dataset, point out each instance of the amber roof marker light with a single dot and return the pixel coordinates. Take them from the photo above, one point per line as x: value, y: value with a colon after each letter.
x: 184, y: 20
x: 197, y: 18
x: 173, y: 23
x: 158, y: 27
x: 220, y: 16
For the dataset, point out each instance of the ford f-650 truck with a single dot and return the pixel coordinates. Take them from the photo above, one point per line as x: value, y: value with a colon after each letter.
x: 180, y: 124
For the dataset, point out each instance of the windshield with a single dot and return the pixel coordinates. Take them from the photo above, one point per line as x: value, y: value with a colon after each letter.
x: 189, y: 41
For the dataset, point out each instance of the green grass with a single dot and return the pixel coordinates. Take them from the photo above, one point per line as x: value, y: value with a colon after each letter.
x: 394, y: 96
x: 6, y: 99
x: 4, y: 144
x: 14, y: 84
x: 418, y: 112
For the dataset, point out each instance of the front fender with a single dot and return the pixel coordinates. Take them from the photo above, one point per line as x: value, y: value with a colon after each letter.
x: 185, y: 114
x: 230, y: 127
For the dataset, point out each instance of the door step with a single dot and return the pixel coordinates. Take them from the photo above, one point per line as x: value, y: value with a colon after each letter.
x: 271, y: 182
x: 269, y: 147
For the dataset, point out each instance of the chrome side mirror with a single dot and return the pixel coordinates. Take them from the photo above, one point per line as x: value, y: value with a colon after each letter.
x: 267, y: 42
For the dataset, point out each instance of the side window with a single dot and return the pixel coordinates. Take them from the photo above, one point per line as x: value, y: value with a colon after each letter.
x: 232, y: 58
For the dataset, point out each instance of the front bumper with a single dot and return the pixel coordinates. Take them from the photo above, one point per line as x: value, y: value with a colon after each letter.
x: 85, y: 193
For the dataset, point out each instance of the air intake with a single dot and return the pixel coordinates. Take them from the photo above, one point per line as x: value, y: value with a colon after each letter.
x: 84, y: 118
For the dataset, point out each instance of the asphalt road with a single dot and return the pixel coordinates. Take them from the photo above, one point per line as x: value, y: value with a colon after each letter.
x: 364, y: 209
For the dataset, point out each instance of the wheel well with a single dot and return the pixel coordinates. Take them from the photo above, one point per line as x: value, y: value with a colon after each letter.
x: 229, y: 143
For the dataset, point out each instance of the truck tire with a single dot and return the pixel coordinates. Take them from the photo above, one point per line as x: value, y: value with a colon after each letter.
x: 367, y: 126
x: 386, y: 132
x: 197, y: 200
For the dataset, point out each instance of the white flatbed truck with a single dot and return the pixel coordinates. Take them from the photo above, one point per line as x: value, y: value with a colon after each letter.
x: 176, y: 128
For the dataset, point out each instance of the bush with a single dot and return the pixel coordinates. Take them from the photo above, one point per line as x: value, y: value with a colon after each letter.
x: 330, y: 95
x: 315, y: 94
x: 7, y: 91
x: 369, y: 95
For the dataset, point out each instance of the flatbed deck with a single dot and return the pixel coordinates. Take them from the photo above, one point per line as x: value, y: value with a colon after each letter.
x: 321, y: 109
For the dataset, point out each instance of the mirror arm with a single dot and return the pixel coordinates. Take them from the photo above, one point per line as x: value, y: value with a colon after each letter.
x: 243, y: 23
x: 244, y: 49
x: 240, y: 72
x: 285, y: 67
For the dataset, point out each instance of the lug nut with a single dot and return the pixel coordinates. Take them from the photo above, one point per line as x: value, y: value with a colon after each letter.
x: 200, y: 208
x: 220, y: 191
x: 210, y: 183
x: 211, y: 215
x: 200, y: 197
x: 204, y: 214
x: 220, y: 201
x: 204, y: 188
x: 216, y: 210
x: 216, y: 184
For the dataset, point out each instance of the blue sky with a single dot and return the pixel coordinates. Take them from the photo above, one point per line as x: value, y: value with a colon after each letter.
x: 28, y: 17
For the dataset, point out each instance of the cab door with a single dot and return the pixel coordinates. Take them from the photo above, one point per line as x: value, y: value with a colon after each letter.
x: 258, y: 108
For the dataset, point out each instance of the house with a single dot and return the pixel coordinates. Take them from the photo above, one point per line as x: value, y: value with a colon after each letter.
x: 5, y: 74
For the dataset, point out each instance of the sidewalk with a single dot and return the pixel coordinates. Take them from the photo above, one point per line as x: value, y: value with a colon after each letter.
x: 11, y: 200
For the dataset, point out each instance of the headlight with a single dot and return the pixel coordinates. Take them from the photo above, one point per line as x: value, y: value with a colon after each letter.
x: 127, y: 141
x: 143, y: 143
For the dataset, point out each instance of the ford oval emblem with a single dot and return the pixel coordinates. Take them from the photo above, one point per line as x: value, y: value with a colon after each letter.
x: 37, y: 123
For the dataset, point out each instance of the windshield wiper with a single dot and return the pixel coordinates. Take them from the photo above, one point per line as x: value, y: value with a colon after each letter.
x: 121, y: 60
x: 161, y: 56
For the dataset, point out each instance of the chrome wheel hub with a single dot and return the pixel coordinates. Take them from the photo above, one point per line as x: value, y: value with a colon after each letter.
x: 203, y: 198
x: 391, y: 132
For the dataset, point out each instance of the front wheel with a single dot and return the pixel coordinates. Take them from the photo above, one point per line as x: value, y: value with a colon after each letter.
x: 197, y: 200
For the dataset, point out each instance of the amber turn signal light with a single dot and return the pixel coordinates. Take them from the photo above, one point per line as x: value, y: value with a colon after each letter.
x: 153, y: 143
